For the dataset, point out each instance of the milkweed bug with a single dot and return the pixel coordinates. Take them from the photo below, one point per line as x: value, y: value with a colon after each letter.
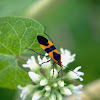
x: 49, y: 47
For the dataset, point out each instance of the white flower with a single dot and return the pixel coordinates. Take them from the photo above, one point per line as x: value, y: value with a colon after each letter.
x: 53, y: 74
x: 43, y: 82
x: 47, y: 83
x: 66, y: 91
x: 66, y: 57
x: 47, y: 88
x: 35, y: 77
x: 76, y: 74
x: 76, y: 90
x: 37, y: 95
x: 44, y: 59
x: 52, y: 97
x: 31, y: 63
x: 25, y: 90
x: 61, y: 83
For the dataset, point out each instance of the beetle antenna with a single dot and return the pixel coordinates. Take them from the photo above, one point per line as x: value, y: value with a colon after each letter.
x: 47, y: 34
x: 70, y: 70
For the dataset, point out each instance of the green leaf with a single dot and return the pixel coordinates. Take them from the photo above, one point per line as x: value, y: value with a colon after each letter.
x: 16, y: 34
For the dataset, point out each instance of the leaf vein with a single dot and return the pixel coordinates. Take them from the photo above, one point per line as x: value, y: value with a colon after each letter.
x: 7, y: 48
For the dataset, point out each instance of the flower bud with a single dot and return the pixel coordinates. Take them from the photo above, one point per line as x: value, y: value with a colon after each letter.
x: 43, y: 82
x: 61, y: 83
x: 54, y: 85
x: 47, y: 88
x: 37, y: 95
x: 53, y: 73
x: 47, y: 93
x: 59, y: 96
x: 52, y: 97
x: 35, y: 77
x: 66, y: 91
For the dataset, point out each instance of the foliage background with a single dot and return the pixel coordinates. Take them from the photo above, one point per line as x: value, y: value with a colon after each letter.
x: 72, y: 24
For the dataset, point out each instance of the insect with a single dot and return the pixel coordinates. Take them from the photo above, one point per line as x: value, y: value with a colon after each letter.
x: 49, y: 47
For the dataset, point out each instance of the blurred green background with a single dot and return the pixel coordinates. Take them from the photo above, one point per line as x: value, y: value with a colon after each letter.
x: 72, y: 25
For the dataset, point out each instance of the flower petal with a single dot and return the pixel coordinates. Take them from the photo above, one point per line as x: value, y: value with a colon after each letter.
x: 76, y: 90
x: 44, y: 59
x: 25, y: 90
x: 66, y: 57
x: 71, y: 75
x: 31, y: 63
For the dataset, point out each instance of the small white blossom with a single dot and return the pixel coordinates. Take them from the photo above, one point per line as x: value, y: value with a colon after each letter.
x: 66, y: 91
x: 47, y: 88
x: 61, y: 83
x: 52, y: 97
x: 44, y: 59
x: 43, y: 82
x: 71, y: 75
x: 66, y: 57
x: 35, y: 77
x: 76, y: 90
x: 31, y: 63
x: 25, y: 90
x: 37, y: 95
x: 53, y: 74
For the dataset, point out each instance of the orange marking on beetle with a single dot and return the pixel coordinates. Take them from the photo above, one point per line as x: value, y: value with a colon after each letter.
x: 50, y: 49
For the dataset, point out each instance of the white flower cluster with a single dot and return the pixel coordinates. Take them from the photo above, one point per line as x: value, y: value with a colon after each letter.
x: 47, y: 84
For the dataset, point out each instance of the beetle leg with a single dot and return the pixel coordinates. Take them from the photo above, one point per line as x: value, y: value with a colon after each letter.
x: 35, y: 52
x: 61, y: 73
x: 45, y: 62
x: 53, y: 68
